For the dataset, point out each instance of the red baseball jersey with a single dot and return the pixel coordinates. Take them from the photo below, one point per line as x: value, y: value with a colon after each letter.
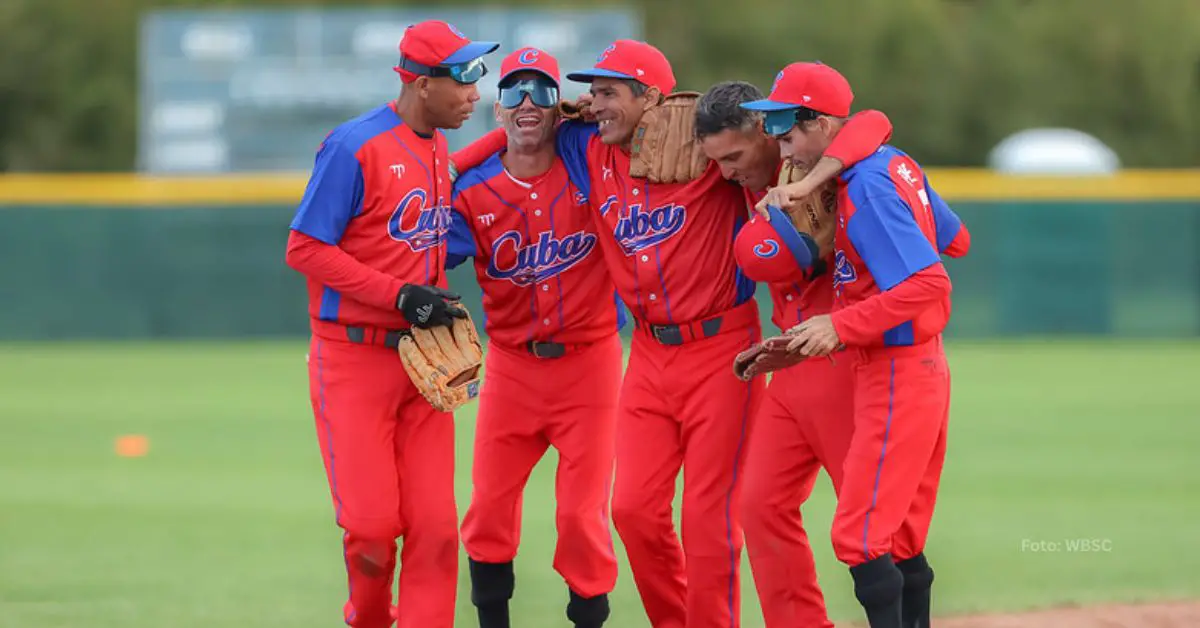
x: 891, y: 226
x: 669, y: 246
x: 381, y: 193
x: 535, y: 247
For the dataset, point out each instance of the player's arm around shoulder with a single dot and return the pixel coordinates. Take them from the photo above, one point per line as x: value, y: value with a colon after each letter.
x: 462, y: 241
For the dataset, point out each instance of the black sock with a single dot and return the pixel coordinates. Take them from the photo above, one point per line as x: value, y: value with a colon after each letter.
x: 492, y: 587
x: 918, y: 583
x: 878, y: 586
x: 590, y: 612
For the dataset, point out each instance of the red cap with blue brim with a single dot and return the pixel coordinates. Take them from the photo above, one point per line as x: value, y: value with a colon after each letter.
x: 774, y: 251
x: 631, y: 59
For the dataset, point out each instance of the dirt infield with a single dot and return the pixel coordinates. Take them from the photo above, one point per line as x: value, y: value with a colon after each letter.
x: 1158, y: 615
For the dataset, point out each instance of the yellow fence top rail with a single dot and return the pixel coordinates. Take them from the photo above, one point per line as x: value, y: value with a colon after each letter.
x: 286, y: 189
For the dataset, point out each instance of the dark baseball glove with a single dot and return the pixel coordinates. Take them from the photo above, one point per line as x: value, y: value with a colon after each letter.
x: 769, y: 355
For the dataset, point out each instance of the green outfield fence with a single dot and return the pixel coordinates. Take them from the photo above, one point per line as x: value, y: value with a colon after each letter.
x: 125, y: 258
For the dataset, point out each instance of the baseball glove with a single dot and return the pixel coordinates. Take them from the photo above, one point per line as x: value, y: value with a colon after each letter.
x: 769, y: 355
x: 575, y: 110
x: 444, y: 362
x: 664, y: 147
x: 814, y: 215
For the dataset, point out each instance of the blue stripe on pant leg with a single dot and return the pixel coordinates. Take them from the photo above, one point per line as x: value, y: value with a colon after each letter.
x: 882, y: 452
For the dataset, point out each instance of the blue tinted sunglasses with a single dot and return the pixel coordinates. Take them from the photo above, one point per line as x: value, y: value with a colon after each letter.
x: 465, y: 73
x: 778, y: 123
x: 543, y: 93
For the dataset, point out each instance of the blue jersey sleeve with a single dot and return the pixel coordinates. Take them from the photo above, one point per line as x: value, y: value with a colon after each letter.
x: 333, y: 196
x: 948, y: 223
x: 572, y: 146
x: 885, y: 233
x: 461, y: 242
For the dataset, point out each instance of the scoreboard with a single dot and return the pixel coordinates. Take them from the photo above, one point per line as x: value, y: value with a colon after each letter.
x: 225, y: 91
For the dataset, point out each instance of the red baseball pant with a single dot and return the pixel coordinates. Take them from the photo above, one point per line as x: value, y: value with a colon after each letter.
x: 389, y: 459
x: 682, y: 406
x: 805, y: 423
x: 890, y: 478
x: 527, y: 405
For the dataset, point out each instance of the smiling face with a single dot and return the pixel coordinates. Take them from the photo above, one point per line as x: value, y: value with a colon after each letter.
x: 618, y: 109
x: 528, y: 125
x: 746, y: 156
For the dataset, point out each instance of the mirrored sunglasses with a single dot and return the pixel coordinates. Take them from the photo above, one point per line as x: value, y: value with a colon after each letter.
x: 543, y: 92
x: 466, y: 73
x: 778, y: 123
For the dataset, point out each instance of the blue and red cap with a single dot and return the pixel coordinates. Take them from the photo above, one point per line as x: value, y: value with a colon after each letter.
x: 814, y: 86
x: 631, y: 59
x: 439, y: 45
x: 774, y: 251
x: 530, y: 59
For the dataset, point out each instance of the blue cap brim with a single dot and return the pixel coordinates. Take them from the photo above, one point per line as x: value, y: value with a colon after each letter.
x: 470, y: 52
x: 768, y: 105
x: 802, y: 250
x: 586, y: 76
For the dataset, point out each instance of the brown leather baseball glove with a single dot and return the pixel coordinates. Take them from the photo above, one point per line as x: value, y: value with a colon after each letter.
x: 444, y: 362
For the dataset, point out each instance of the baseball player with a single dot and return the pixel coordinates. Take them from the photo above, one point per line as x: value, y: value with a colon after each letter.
x: 891, y: 303
x: 668, y: 249
x: 554, y: 360
x: 806, y: 418
x: 370, y: 236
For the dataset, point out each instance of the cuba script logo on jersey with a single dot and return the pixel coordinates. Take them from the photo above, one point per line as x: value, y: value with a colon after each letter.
x: 416, y: 224
x: 526, y: 264
x: 641, y: 229
x: 843, y: 271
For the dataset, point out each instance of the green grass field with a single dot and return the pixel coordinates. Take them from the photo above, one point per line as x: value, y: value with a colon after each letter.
x: 227, y: 521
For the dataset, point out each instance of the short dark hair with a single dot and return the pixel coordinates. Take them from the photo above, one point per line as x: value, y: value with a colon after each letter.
x: 637, y: 87
x: 720, y: 108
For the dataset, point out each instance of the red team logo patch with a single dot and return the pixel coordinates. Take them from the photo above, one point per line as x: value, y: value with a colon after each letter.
x: 419, y: 226
x: 527, y: 264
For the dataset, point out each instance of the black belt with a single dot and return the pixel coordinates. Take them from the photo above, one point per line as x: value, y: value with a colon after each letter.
x: 548, y: 350
x: 390, y: 339
x: 674, y: 334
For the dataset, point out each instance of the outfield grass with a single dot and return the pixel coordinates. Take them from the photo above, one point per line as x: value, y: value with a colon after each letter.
x: 227, y: 521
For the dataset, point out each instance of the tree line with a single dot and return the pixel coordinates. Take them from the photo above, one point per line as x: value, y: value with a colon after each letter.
x: 955, y: 76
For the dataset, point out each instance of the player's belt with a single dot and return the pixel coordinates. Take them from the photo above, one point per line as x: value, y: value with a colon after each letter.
x: 358, y: 334
x: 548, y: 350
x: 372, y: 336
x: 735, y: 318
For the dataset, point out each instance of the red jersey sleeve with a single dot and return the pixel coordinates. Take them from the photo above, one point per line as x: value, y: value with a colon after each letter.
x: 862, y: 323
x: 862, y: 135
x: 333, y: 196
x: 480, y: 150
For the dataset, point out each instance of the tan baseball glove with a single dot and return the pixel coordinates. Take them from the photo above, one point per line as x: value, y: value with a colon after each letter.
x: 664, y: 147
x: 814, y: 215
x: 575, y: 110
x: 444, y: 363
